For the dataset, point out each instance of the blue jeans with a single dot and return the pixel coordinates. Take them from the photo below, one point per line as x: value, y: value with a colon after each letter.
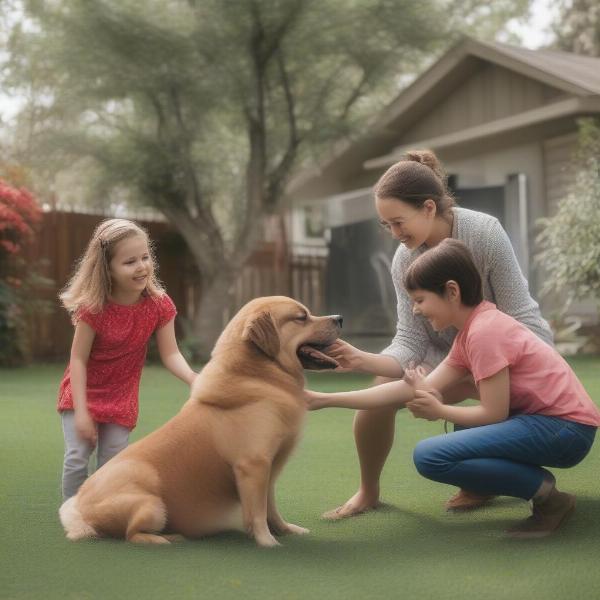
x: 504, y: 459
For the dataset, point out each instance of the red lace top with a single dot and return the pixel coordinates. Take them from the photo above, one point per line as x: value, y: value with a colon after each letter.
x: 117, y: 357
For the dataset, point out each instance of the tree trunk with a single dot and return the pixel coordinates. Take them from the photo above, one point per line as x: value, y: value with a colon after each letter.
x: 214, y: 311
x: 218, y: 272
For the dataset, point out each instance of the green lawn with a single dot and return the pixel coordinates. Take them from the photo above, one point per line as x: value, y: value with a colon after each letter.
x: 410, y: 549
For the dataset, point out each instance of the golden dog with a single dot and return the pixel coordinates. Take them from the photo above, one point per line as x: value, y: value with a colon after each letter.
x: 213, y: 466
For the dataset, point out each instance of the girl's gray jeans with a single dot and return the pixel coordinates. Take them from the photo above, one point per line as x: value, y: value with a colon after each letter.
x: 112, y: 439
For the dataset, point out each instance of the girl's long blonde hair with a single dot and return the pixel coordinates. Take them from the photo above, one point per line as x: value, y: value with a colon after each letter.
x: 90, y: 286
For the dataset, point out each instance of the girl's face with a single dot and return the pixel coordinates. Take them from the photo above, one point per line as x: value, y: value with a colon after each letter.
x: 131, y: 265
x: 409, y: 225
x: 438, y: 310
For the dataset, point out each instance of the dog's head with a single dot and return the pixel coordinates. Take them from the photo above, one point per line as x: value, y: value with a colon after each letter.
x: 285, y: 331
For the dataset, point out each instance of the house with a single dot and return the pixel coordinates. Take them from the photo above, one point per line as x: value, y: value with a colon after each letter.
x: 502, y: 119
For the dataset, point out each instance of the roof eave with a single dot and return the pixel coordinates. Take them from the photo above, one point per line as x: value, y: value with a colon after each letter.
x: 497, y: 55
x: 550, y: 112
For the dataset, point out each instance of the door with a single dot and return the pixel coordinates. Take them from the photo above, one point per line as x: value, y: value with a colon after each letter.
x: 489, y: 200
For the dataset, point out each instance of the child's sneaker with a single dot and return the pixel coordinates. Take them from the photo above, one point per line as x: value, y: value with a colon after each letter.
x: 548, y: 515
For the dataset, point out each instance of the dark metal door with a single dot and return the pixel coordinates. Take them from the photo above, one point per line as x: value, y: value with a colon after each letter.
x: 489, y: 200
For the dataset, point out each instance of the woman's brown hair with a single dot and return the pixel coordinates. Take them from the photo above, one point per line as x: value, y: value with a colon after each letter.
x: 417, y: 177
x: 449, y: 260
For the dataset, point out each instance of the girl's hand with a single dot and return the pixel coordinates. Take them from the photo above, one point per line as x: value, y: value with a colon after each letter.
x: 427, y: 404
x: 348, y: 357
x: 314, y: 400
x: 417, y: 378
x: 85, y: 427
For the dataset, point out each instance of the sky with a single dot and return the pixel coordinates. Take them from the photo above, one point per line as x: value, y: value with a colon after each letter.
x: 534, y: 34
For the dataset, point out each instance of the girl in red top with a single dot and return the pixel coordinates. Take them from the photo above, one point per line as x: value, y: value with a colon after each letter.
x: 116, y: 304
x: 533, y: 412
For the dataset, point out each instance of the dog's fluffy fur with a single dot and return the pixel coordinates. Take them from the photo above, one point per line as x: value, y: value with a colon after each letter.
x: 213, y: 466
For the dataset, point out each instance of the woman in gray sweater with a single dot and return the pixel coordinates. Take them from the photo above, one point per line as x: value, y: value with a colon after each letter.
x: 414, y: 205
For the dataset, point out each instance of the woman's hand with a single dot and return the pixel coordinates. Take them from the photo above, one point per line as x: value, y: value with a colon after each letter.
x: 427, y: 404
x: 348, y: 357
x: 85, y: 427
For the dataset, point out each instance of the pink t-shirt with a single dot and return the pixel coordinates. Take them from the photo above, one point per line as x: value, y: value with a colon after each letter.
x: 541, y: 381
x: 117, y: 357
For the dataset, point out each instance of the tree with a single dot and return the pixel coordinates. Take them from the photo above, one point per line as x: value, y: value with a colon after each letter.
x: 577, y: 28
x: 203, y: 109
x: 569, y: 241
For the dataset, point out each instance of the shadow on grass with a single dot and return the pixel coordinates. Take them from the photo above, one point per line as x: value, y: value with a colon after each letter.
x: 411, y: 532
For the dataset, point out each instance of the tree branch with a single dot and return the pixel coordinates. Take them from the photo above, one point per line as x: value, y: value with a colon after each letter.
x: 355, y: 95
x: 274, y: 41
x: 279, y: 174
x: 203, y: 222
x: 197, y: 199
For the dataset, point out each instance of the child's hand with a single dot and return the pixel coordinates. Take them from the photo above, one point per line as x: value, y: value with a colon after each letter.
x: 85, y: 427
x: 348, y: 357
x: 417, y: 378
x: 426, y: 405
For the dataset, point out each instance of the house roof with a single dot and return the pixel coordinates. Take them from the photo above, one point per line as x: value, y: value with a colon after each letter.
x: 580, y: 71
x: 577, y: 76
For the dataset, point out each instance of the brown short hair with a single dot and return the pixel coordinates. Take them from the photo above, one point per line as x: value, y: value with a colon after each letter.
x: 449, y: 260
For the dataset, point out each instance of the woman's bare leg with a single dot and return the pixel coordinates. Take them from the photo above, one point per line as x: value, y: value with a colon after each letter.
x: 374, y: 437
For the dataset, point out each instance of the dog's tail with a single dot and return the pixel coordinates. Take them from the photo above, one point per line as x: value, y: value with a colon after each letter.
x: 72, y: 521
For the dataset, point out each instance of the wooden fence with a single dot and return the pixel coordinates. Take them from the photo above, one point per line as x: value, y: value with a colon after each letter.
x: 63, y: 236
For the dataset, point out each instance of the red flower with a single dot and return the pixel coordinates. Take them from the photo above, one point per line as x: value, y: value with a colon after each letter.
x: 19, y: 212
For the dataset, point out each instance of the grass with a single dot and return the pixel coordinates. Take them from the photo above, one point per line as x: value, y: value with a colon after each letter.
x: 410, y: 548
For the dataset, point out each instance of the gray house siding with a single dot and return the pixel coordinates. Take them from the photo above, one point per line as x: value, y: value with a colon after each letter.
x: 491, y: 93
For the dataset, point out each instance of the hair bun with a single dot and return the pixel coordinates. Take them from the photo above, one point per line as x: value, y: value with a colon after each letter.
x: 429, y: 159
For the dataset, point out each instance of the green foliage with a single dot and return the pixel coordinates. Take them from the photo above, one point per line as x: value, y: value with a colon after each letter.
x: 570, y: 239
x: 205, y: 109
x: 577, y: 28
x: 21, y: 301
x: 19, y: 284
x: 170, y: 96
x: 11, y: 350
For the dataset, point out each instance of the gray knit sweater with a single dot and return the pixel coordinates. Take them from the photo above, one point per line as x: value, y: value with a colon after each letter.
x: 503, y: 284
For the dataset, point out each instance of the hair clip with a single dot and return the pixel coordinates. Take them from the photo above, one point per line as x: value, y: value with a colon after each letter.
x: 104, y: 244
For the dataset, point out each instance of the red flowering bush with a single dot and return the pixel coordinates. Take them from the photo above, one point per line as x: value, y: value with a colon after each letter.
x: 19, y: 213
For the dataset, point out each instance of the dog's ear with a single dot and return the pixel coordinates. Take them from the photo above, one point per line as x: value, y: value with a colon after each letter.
x: 261, y: 331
